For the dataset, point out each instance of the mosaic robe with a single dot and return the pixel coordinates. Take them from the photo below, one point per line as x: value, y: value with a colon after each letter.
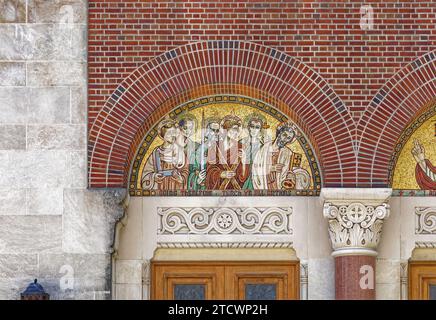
x: 219, y: 160
x: 192, y: 151
x: 426, y: 179
x: 165, y: 161
x: 263, y: 176
x: 251, y: 149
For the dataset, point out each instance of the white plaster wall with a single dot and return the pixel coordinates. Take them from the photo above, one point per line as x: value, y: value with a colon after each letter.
x: 51, y: 227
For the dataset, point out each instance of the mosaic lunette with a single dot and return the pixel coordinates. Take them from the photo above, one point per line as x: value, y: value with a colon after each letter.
x: 225, y: 146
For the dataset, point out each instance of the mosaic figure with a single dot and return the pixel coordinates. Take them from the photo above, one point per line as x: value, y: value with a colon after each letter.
x: 226, y: 169
x: 273, y: 167
x: 188, y: 125
x: 425, y: 171
x: 167, y: 166
x: 251, y: 144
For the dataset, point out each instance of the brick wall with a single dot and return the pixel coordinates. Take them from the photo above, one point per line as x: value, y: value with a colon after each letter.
x: 325, y: 36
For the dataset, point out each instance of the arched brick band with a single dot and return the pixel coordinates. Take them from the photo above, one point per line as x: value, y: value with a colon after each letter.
x: 306, y: 94
x: 396, y: 104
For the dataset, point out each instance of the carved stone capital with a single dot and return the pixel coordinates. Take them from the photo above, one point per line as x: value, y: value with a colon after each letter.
x: 355, y: 228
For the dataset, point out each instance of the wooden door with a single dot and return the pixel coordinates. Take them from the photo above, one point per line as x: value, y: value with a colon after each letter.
x: 422, y: 280
x: 186, y: 281
x: 275, y: 281
x: 252, y: 280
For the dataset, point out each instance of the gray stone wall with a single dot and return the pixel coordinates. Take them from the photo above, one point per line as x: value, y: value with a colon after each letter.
x: 51, y: 227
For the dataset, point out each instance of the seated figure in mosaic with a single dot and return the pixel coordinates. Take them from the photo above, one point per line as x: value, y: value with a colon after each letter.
x: 276, y: 166
x: 425, y: 171
x: 166, y: 168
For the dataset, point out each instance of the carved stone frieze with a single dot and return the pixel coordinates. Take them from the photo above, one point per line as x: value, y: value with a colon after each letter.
x: 224, y: 220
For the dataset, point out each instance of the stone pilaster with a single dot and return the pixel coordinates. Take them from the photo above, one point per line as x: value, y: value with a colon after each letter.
x: 355, y: 219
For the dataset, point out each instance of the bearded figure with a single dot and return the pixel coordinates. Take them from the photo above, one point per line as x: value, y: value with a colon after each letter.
x: 225, y: 169
x: 273, y: 165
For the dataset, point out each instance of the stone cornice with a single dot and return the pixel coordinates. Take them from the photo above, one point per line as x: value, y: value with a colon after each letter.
x: 374, y: 196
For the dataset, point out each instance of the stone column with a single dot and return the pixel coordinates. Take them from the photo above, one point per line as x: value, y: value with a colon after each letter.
x: 355, y: 219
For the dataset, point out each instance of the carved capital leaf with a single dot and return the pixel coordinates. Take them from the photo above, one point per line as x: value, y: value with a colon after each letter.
x: 355, y: 225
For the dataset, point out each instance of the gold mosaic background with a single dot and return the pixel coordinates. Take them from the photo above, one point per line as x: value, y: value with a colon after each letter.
x: 404, y: 173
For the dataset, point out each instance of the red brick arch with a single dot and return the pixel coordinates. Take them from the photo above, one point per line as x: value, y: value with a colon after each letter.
x: 395, y: 105
x: 228, y: 66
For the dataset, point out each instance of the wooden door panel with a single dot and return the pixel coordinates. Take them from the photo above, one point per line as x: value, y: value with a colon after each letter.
x: 266, y: 287
x: 281, y: 278
x: 169, y: 277
x: 422, y: 275
x: 225, y: 280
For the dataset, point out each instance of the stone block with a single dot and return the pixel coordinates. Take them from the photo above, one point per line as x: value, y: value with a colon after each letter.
x: 30, y: 234
x: 46, y: 169
x: 13, y: 169
x: 78, y: 105
x: 74, y: 265
x: 56, y: 137
x: 59, y: 11
x: 49, y: 105
x: 12, y: 11
x: 23, y: 266
x: 59, y: 73
x: 12, y: 137
x: 13, y: 105
x: 89, y: 220
x: 36, y: 169
x: 46, y: 201
x: 42, y: 42
x: 12, y: 201
x: 12, y: 74
x: 77, y: 169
